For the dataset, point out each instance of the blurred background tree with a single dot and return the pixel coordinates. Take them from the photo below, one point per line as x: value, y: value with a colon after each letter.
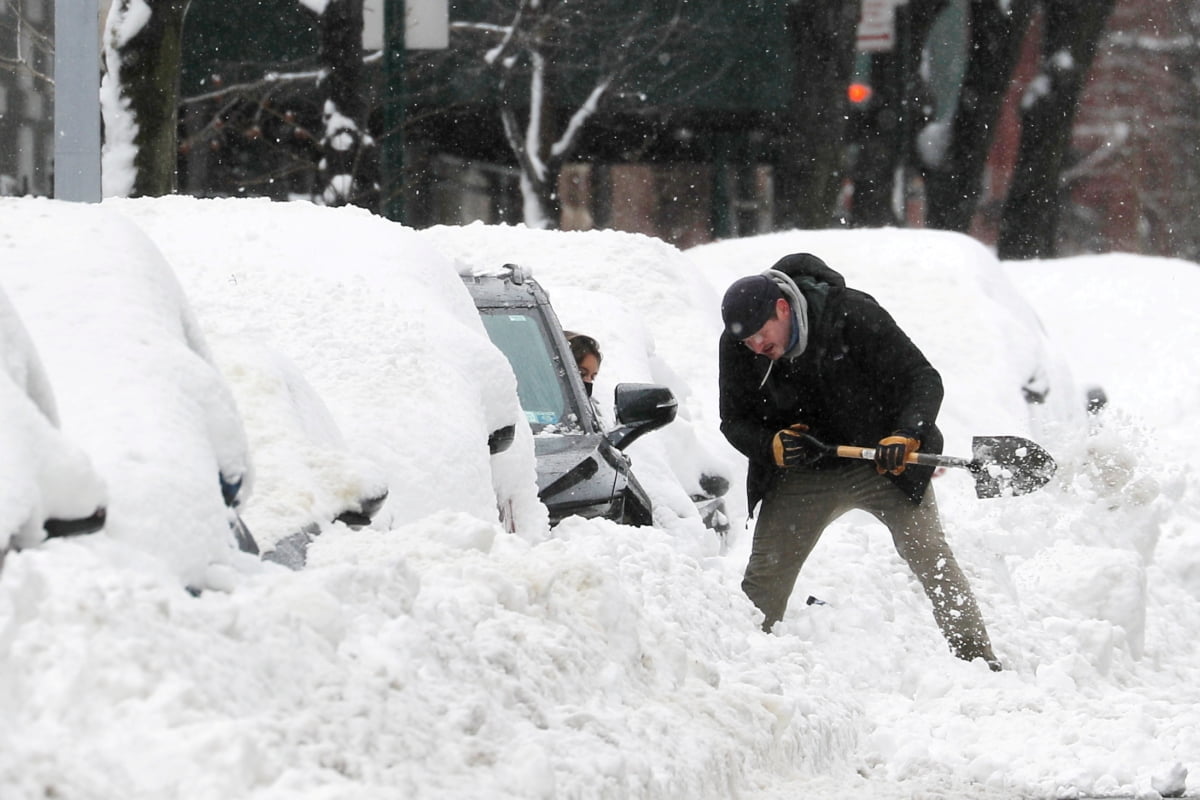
x: 1040, y: 126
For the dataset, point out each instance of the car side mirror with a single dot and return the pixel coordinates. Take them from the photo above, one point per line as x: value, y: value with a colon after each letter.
x: 641, y: 408
x: 500, y: 439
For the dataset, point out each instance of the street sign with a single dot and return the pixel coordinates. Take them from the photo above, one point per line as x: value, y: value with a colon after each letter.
x: 877, y: 26
x: 426, y: 23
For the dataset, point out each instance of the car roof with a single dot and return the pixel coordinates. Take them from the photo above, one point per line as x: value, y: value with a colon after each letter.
x: 509, y: 286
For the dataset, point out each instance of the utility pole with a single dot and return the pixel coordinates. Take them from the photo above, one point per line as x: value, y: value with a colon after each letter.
x: 77, y: 100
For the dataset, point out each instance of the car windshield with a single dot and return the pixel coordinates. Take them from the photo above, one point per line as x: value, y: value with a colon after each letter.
x: 540, y: 386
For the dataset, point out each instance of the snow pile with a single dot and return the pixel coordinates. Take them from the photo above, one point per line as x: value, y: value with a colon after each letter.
x: 435, y: 654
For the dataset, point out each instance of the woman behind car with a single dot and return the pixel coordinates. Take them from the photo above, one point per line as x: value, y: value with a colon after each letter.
x: 587, y: 357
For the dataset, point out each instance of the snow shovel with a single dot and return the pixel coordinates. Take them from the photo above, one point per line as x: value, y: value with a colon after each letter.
x: 1003, y: 466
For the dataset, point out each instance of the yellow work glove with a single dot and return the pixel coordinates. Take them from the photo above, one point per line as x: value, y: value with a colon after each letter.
x: 790, y: 448
x: 892, y: 452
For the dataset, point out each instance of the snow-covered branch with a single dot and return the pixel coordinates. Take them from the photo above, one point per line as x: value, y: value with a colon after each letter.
x: 582, y: 114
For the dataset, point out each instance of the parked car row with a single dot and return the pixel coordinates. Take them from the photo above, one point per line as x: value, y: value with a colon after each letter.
x: 215, y: 398
x: 370, y: 393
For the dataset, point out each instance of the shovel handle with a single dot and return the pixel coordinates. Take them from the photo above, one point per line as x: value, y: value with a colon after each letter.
x: 925, y: 459
x: 1003, y: 466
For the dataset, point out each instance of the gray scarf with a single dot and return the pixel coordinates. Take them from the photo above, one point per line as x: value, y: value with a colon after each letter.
x: 799, y: 305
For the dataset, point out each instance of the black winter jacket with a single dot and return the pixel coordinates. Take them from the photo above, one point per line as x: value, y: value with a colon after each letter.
x: 859, y: 379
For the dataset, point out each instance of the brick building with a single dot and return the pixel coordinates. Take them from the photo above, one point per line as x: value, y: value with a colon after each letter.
x: 1136, y: 134
x: 1134, y: 179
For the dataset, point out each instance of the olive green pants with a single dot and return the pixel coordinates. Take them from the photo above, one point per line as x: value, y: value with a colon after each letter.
x: 804, y: 502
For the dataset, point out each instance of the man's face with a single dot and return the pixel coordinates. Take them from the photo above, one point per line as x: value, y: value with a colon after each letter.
x: 772, y: 338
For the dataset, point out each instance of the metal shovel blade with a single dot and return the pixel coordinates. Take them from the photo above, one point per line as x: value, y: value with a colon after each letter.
x: 1009, y: 465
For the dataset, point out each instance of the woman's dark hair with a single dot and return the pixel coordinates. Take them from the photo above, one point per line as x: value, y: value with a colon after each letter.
x: 583, y: 345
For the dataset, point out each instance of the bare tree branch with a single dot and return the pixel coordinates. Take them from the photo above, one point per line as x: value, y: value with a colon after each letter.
x: 270, y: 81
x: 27, y: 34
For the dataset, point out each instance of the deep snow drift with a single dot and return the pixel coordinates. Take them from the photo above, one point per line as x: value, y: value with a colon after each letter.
x: 436, y: 655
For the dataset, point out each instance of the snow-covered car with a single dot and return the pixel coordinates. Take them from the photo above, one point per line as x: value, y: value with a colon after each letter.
x: 637, y: 297
x: 583, y: 469
x: 306, y: 478
x: 134, y: 381
x: 48, y: 487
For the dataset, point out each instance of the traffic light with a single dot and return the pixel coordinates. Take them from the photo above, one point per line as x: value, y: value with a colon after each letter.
x: 858, y: 93
x: 859, y: 110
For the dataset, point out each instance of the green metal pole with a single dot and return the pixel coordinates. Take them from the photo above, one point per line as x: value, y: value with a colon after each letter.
x: 721, y: 216
x: 904, y: 108
x: 392, y: 146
